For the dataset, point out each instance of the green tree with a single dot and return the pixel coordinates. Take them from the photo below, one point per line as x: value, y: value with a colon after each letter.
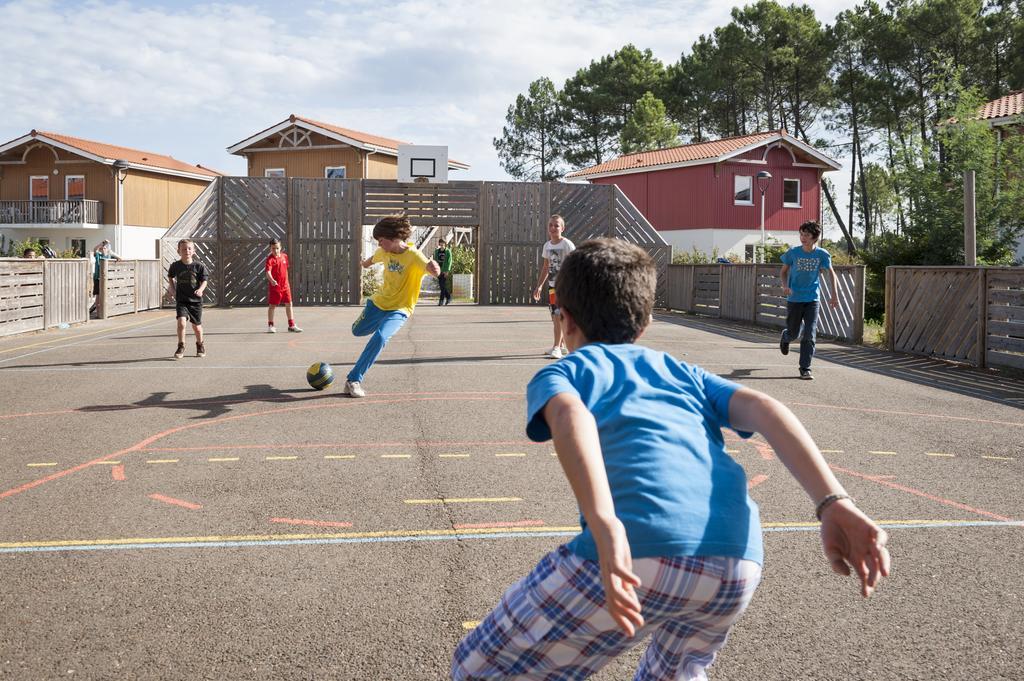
x: 648, y: 127
x: 529, y: 147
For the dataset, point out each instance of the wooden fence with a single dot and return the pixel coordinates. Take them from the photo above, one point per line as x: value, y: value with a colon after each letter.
x: 753, y: 294
x: 965, y: 314
x: 39, y: 294
x: 130, y: 286
x: 320, y: 223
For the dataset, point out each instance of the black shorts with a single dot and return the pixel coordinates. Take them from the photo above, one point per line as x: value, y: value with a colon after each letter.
x: 95, y: 287
x: 194, y: 312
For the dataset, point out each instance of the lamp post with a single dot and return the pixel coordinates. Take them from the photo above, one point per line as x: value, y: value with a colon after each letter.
x: 119, y: 169
x: 764, y: 178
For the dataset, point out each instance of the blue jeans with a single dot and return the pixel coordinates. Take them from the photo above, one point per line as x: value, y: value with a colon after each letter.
x: 805, y: 315
x: 382, y: 324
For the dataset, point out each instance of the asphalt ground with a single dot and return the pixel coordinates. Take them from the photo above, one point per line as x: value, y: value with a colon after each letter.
x: 216, y: 518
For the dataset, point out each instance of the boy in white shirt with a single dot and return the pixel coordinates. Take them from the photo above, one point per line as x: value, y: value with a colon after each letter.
x: 553, y: 253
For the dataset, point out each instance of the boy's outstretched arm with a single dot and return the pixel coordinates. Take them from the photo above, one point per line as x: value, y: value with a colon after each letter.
x: 574, y: 434
x: 850, y: 538
x: 433, y: 269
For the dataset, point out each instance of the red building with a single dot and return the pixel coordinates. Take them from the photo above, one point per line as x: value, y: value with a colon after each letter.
x: 707, y: 195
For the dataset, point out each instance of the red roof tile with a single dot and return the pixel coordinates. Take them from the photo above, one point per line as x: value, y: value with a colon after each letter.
x: 136, y: 156
x: 1010, y: 105
x: 682, y: 154
x: 364, y: 137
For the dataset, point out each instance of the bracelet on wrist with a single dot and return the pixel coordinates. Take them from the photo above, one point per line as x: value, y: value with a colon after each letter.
x: 828, y: 501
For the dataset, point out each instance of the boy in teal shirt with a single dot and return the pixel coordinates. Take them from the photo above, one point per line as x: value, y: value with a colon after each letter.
x: 801, y: 266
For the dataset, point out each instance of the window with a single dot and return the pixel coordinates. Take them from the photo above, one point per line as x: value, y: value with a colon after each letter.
x: 742, y: 190
x: 334, y: 172
x: 273, y: 172
x: 791, y: 193
x: 74, y: 187
x: 39, y: 188
x: 78, y: 246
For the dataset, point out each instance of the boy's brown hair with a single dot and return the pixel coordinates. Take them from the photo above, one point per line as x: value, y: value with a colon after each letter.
x: 273, y: 240
x: 607, y: 285
x: 393, y: 227
x: 184, y: 241
x: 812, y: 228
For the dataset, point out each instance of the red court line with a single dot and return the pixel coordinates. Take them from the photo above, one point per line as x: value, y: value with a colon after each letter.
x: 925, y: 495
x: 311, y: 523
x: 117, y: 472
x: 142, y: 444
x: 755, y: 481
x: 516, y: 523
x: 177, y: 502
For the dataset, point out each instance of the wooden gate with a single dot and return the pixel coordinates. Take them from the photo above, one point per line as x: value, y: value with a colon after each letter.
x: 320, y: 223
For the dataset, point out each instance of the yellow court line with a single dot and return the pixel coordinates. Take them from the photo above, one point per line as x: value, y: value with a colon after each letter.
x: 471, y: 624
x: 340, y: 456
x: 223, y: 458
x: 379, y: 534
x: 938, y: 454
x: 732, y: 451
x: 465, y: 500
x: 107, y: 463
x: 831, y: 451
x: 518, y: 454
x: 280, y: 458
x: 162, y: 461
x: 287, y: 537
x: 890, y: 453
x: 77, y: 336
x: 396, y: 456
x: 453, y: 456
x: 42, y: 465
x: 998, y: 458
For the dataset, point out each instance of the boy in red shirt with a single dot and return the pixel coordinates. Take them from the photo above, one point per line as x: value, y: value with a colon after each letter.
x: 278, y: 291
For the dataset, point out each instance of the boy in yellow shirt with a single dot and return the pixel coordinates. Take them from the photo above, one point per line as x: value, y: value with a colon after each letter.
x: 386, y: 311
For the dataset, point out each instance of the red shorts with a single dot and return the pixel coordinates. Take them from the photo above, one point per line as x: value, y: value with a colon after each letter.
x: 279, y: 296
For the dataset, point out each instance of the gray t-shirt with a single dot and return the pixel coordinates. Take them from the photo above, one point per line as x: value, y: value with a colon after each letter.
x: 555, y: 253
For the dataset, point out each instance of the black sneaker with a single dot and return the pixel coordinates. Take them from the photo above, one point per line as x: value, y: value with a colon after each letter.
x: 200, y: 350
x: 806, y: 375
x: 180, y: 352
x: 784, y: 345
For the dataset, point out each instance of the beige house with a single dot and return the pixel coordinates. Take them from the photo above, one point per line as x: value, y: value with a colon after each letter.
x: 301, y: 147
x: 70, y: 193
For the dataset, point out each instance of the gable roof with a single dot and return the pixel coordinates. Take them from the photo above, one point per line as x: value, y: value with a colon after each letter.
x: 714, y: 151
x: 108, y: 153
x: 1004, y: 109
x: 360, y: 140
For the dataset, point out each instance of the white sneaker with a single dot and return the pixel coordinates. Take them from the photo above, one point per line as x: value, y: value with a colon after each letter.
x: 554, y: 353
x: 271, y: 328
x: 294, y: 329
x: 353, y: 389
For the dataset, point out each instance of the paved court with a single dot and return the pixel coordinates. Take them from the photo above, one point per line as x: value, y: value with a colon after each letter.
x: 216, y: 518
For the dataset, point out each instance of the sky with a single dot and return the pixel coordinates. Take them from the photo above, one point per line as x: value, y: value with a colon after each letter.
x: 189, y: 79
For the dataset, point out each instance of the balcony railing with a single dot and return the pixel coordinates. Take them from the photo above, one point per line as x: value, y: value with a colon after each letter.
x: 79, y: 212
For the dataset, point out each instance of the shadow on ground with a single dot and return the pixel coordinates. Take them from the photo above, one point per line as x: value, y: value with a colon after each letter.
x: 985, y: 384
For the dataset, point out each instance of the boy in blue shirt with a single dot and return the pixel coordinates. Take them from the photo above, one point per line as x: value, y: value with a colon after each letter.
x: 671, y: 542
x: 801, y: 266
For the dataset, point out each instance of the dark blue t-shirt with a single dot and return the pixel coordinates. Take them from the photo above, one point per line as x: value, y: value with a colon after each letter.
x: 804, y: 268
x: 659, y: 420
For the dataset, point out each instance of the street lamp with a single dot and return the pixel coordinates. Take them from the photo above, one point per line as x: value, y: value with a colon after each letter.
x: 764, y: 178
x: 119, y: 169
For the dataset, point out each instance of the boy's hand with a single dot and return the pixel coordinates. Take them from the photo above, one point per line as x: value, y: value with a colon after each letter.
x: 833, y: 301
x: 617, y: 576
x: 853, y: 540
x: 536, y: 294
x: 273, y: 282
x: 786, y: 291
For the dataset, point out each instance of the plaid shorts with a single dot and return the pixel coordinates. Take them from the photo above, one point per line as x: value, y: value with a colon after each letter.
x: 552, y: 624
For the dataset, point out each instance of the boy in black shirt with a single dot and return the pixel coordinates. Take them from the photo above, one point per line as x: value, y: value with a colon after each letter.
x: 186, y: 281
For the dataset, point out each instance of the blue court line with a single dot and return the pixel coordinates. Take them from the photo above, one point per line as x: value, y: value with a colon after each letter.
x: 456, y: 537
